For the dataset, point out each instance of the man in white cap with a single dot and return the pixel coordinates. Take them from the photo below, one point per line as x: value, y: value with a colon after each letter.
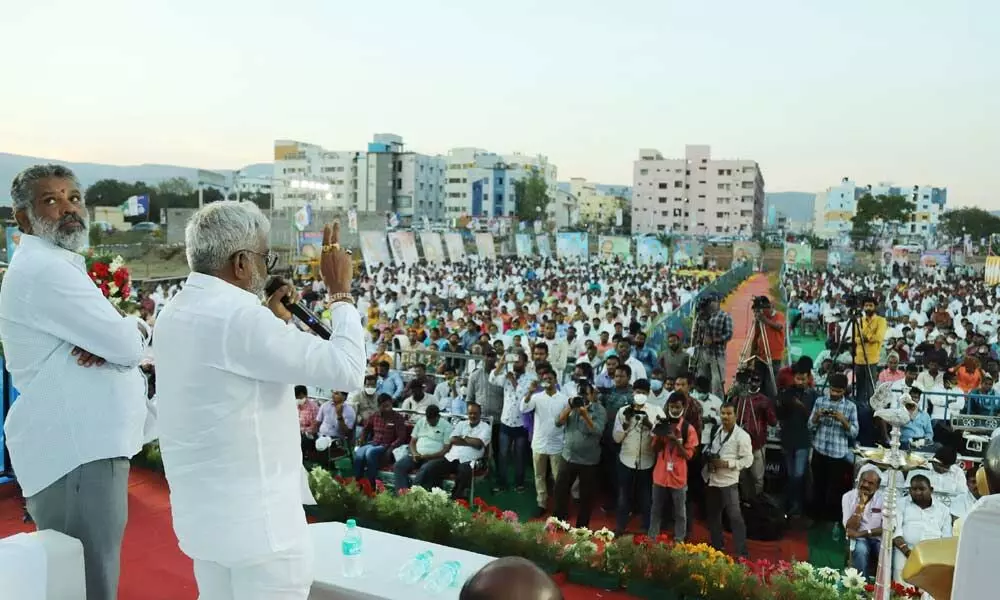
x: 862, y: 518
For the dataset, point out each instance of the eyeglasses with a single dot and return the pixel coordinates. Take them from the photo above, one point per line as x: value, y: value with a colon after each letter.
x: 270, y: 258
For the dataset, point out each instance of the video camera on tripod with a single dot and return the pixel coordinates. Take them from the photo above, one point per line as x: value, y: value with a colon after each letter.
x: 760, y: 303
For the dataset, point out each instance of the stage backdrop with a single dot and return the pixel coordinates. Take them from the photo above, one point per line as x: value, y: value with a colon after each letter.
x: 798, y: 256
x: 544, y: 248
x: 901, y: 255
x: 404, y: 248
x: 744, y: 250
x: 687, y: 253
x: 610, y: 247
x: 523, y: 243
x: 310, y: 244
x: 992, y: 270
x: 650, y: 251
x: 572, y: 246
x: 374, y: 250
x: 484, y: 246
x: 456, y: 247
x: 431, y: 243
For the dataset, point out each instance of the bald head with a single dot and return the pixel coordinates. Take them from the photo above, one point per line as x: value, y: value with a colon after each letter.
x: 510, y: 578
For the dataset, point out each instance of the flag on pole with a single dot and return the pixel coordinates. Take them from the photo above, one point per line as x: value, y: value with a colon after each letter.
x: 136, y: 206
x: 303, y: 217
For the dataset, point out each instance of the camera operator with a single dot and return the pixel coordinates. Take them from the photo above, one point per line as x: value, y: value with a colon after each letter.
x: 754, y: 413
x: 675, y: 441
x: 770, y: 349
x: 726, y: 455
x: 633, y: 427
x: 714, y: 329
x: 583, y: 420
x: 869, y: 338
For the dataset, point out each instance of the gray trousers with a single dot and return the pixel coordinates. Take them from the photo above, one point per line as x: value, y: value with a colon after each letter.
x: 715, y: 369
x: 679, y: 499
x: 726, y: 499
x: 90, y: 503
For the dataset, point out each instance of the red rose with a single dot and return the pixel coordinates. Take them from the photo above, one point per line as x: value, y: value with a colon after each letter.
x: 126, y: 291
x: 462, y: 502
x: 100, y: 270
x: 121, y: 277
x: 105, y: 290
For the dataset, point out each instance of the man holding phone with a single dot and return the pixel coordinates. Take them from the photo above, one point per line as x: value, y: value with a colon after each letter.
x: 583, y: 420
x: 833, y: 423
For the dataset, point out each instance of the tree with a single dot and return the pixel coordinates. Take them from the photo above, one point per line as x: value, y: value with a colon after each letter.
x: 976, y: 222
x: 108, y: 192
x: 876, y: 215
x: 531, y: 198
x: 175, y: 185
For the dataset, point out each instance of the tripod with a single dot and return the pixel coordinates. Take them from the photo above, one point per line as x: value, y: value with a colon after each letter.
x: 748, y: 354
x: 855, y: 330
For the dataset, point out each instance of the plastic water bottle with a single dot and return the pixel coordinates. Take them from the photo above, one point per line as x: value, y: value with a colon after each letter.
x: 416, y: 568
x: 350, y: 547
x: 443, y: 577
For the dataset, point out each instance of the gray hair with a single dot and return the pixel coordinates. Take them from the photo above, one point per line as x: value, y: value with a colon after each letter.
x: 221, y: 229
x: 22, y: 189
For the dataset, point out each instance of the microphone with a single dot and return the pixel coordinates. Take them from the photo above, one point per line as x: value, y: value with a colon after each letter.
x: 298, y: 310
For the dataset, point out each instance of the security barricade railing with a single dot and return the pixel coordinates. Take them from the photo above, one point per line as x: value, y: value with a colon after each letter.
x: 679, y: 321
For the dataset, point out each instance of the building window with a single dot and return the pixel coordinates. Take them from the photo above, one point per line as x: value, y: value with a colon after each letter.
x: 678, y: 184
x: 701, y: 195
x: 663, y: 200
x: 664, y: 213
x: 643, y: 171
x: 678, y: 212
x: 663, y: 186
x: 661, y: 227
x: 499, y: 180
x: 486, y: 196
x: 748, y: 185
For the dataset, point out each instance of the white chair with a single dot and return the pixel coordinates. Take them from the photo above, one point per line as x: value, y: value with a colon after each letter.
x: 43, y: 565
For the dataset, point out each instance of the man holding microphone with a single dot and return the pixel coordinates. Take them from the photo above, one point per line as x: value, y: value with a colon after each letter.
x: 228, y: 423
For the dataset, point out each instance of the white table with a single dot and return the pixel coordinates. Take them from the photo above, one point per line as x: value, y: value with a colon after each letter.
x: 383, y: 555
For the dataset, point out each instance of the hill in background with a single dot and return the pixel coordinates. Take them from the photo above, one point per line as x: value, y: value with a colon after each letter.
x: 89, y: 173
x: 797, y: 206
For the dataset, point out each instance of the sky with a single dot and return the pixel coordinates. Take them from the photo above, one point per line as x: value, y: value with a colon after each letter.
x: 905, y: 91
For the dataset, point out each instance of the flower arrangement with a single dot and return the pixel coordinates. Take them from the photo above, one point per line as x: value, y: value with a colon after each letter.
x: 653, y: 568
x: 112, y: 277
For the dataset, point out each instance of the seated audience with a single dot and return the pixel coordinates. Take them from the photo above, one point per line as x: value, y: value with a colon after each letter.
x: 469, y: 440
x: 862, y: 519
x: 429, y: 441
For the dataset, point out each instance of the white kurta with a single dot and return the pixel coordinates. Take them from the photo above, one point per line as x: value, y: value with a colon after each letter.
x: 228, y: 422
x: 67, y: 415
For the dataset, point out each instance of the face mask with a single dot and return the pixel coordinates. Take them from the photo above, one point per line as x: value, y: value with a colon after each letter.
x: 676, y: 414
x: 639, y: 400
x: 655, y: 385
x: 300, y: 401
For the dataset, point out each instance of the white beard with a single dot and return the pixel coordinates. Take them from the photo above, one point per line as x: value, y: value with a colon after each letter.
x: 50, y: 232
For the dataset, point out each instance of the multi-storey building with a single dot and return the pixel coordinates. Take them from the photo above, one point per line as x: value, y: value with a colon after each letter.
x: 382, y: 179
x: 599, y: 204
x: 696, y: 195
x: 835, y: 207
x: 481, y: 183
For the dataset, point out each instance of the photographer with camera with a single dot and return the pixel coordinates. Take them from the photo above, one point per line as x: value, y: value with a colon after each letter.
x: 713, y: 330
x: 583, y: 420
x: 633, y: 429
x: 675, y: 441
x: 769, y: 343
x: 869, y: 337
x: 725, y: 456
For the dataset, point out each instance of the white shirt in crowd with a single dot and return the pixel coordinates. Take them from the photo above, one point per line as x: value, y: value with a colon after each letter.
x: 917, y: 524
x: 637, y: 368
x: 419, y: 406
x: 944, y: 404
x: 637, y: 442
x: 547, y: 437
x: 67, y: 415
x: 466, y: 454
x: 229, y: 430
x: 711, y: 406
x: 733, y: 447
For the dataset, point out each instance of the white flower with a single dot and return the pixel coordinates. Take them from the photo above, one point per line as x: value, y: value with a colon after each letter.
x: 460, y: 526
x: 439, y: 494
x: 112, y: 288
x: 828, y: 574
x: 803, y: 569
x: 116, y: 264
x: 581, y: 532
x: 604, y: 534
x: 557, y: 524
x: 416, y: 491
x: 853, y: 580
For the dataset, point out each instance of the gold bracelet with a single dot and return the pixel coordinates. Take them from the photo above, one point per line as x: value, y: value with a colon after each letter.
x: 341, y: 297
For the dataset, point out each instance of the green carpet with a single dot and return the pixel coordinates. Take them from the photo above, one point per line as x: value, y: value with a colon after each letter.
x: 809, y: 346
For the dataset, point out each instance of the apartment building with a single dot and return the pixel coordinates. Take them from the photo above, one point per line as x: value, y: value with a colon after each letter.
x: 480, y: 183
x: 384, y: 177
x: 836, y: 206
x: 599, y: 203
x: 696, y: 195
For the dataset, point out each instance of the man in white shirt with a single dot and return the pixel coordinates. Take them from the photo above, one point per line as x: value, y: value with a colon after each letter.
x: 469, y: 441
x: 633, y: 429
x: 547, y: 438
x: 228, y: 423
x: 726, y: 455
x: 73, y: 429
x: 558, y: 350
x: 919, y: 519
